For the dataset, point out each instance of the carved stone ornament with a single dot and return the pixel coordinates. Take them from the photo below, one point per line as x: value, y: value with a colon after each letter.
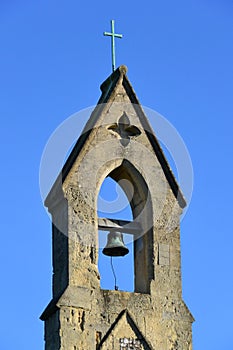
x: 124, y: 129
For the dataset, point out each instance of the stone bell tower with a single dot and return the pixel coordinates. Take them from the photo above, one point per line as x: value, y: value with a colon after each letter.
x: 117, y: 142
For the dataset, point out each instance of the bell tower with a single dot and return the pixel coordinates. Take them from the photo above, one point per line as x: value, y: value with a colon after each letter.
x: 117, y: 142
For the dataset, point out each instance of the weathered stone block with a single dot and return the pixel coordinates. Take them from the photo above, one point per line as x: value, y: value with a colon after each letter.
x: 118, y: 142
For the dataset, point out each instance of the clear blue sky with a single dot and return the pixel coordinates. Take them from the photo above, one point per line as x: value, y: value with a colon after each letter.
x: 53, y: 58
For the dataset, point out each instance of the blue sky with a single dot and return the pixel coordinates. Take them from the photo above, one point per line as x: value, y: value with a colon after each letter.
x: 53, y: 58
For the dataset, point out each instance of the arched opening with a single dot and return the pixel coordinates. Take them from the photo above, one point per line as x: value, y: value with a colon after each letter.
x: 124, y: 203
x: 117, y: 271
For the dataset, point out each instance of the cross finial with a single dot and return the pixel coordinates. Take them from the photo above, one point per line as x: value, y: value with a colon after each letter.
x: 113, y: 36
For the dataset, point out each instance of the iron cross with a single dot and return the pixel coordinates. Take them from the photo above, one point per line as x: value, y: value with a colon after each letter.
x: 113, y: 36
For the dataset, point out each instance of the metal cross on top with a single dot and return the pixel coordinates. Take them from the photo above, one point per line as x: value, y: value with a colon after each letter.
x: 113, y: 36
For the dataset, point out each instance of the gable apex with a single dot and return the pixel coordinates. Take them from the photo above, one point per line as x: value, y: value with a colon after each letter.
x: 125, y: 322
x: 109, y: 88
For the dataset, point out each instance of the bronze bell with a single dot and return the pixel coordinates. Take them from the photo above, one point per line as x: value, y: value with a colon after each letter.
x: 115, y: 245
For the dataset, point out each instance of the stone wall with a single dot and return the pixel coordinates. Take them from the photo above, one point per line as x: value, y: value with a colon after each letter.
x: 81, y: 315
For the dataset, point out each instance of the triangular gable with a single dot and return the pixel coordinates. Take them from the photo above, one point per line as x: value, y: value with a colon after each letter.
x: 108, y: 88
x: 124, y: 334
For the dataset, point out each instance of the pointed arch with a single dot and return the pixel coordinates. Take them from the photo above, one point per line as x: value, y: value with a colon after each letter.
x: 113, y: 204
x: 134, y: 185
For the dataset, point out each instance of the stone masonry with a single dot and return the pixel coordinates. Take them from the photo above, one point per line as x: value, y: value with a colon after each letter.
x: 117, y: 142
